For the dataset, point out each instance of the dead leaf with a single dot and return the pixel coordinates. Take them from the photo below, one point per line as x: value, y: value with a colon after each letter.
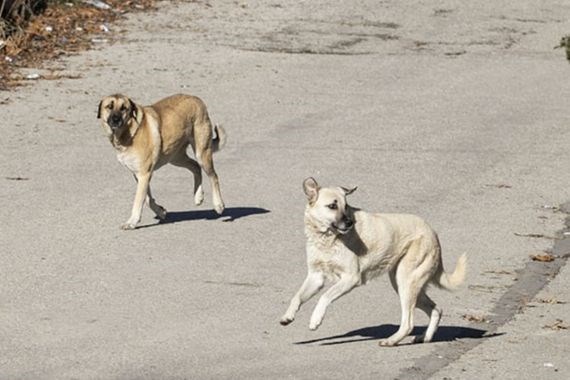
x: 58, y: 120
x: 499, y: 185
x: 455, y: 53
x: 485, y: 288
x: 543, y: 257
x: 499, y: 272
x: 557, y: 325
x: 533, y: 235
x: 551, y: 301
x: 61, y: 76
x: 475, y: 318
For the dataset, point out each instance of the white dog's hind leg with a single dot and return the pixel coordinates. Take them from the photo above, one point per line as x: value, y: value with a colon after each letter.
x: 343, y: 286
x: 434, y: 313
x: 311, y: 286
x: 408, y: 280
x: 429, y: 307
x: 408, y: 304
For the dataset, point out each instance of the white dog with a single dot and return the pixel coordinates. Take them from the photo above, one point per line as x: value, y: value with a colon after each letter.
x: 350, y: 247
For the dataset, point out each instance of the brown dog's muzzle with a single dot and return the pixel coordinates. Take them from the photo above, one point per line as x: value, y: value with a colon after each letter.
x: 115, y: 120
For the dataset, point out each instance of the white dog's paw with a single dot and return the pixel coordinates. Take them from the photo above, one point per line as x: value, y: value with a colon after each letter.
x: 285, y: 320
x: 315, y: 323
x: 316, y: 319
x: 128, y: 226
x: 199, y: 196
x: 386, y: 343
x: 419, y: 339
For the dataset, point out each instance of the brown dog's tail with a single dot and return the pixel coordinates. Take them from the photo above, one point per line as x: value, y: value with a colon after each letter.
x: 219, y: 140
x: 450, y: 281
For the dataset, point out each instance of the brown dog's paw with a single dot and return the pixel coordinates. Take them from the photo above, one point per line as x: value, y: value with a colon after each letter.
x: 199, y: 196
x: 161, y: 213
x: 128, y: 226
x: 219, y: 208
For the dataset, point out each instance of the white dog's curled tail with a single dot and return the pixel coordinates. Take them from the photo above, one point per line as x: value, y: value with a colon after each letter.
x: 451, y: 281
x: 220, y: 139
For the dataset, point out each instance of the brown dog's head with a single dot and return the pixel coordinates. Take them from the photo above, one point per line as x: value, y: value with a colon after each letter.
x: 117, y: 112
x: 327, y: 209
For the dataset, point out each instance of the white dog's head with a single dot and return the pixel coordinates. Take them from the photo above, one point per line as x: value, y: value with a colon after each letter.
x: 327, y: 209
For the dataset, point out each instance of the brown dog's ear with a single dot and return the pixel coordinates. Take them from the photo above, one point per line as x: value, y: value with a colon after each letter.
x: 311, y: 189
x: 135, y: 111
x: 133, y: 108
x: 349, y: 191
x: 99, y: 109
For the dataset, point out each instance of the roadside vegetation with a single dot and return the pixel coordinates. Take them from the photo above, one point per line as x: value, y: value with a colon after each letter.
x: 33, y: 31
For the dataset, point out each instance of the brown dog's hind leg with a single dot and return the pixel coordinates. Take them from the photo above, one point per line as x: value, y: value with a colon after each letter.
x: 203, y: 150
x: 182, y: 160
x: 159, y: 211
x: 208, y: 166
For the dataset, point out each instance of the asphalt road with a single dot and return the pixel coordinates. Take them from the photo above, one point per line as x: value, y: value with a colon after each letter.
x: 456, y: 112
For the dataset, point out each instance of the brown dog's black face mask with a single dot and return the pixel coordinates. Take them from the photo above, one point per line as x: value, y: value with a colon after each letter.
x: 117, y: 111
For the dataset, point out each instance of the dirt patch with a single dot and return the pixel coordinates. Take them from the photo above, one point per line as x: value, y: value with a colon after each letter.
x: 62, y: 28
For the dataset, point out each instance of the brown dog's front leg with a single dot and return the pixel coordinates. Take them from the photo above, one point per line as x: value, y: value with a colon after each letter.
x: 140, y: 196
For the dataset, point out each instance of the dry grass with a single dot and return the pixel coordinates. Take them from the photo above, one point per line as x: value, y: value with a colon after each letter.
x: 62, y: 27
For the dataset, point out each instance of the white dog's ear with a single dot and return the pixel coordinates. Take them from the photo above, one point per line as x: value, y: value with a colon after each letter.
x: 349, y: 191
x: 311, y: 188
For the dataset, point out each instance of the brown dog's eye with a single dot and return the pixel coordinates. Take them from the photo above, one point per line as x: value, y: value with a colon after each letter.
x: 123, y: 108
x: 333, y: 206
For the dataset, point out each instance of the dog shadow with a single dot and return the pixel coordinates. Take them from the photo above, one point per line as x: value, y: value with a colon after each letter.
x: 443, y: 334
x: 230, y: 214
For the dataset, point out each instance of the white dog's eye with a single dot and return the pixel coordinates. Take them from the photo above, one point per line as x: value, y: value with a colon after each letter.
x: 333, y: 206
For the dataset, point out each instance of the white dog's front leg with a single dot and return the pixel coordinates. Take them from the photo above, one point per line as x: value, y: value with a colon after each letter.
x: 140, y: 196
x: 343, y: 286
x: 311, y: 286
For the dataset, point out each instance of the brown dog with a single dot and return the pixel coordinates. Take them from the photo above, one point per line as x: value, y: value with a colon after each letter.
x: 146, y: 138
